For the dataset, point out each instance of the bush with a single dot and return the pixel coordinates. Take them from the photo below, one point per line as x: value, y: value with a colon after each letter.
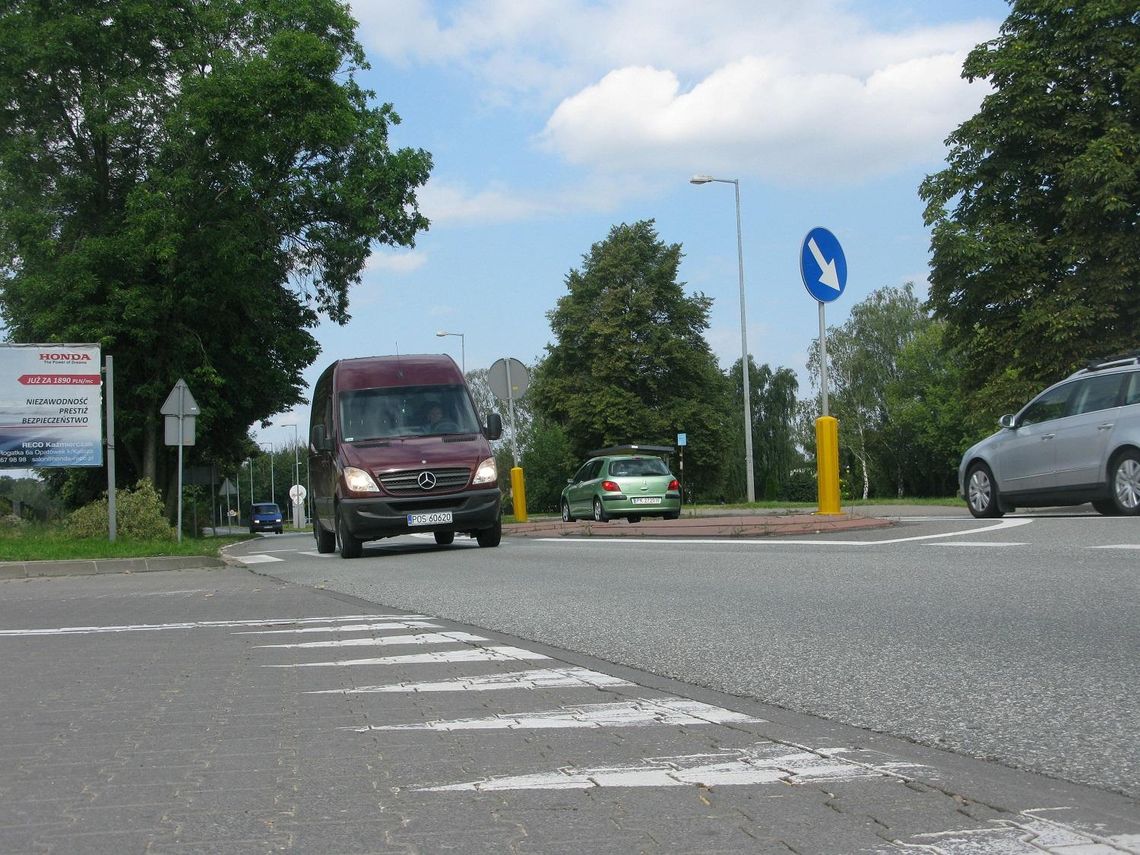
x: 139, y: 513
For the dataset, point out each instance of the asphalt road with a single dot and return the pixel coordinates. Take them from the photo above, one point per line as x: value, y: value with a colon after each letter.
x: 1015, y: 641
x: 579, y: 694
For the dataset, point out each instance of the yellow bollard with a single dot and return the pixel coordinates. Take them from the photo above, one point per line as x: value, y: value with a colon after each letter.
x: 827, y: 463
x: 518, y: 493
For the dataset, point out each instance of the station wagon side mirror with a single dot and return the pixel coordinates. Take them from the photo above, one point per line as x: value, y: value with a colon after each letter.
x: 494, y: 428
x: 1008, y: 421
x: 320, y: 439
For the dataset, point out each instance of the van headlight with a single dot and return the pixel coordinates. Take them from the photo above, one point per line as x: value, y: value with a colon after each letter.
x: 359, y: 481
x: 486, y: 473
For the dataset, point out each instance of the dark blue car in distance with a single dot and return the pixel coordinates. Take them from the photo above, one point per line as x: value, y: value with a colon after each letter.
x: 265, y: 516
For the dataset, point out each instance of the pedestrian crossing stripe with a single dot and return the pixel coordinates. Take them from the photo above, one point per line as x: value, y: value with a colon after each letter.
x: 537, y: 678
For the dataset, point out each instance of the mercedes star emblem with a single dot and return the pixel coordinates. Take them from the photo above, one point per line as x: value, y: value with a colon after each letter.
x: 426, y: 481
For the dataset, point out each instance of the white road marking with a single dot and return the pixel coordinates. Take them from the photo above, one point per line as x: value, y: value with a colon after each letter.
x: 1118, y: 546
x: 384, y: 640
x: 500, y: 653
x: 538, y: 678
x: 638, y: 713
x: 203, y: 624
x: 762, y: 763
x: 777, y: 541
x: 351, y: 627
x: 1026, y: 835
x: 259, y: 559
x: 982, y: 543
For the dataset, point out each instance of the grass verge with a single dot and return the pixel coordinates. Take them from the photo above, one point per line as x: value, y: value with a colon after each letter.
x: 52, y: 543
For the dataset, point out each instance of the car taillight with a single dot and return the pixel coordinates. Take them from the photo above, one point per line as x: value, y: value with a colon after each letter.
x: 611, y: 487
x: 674, y: 486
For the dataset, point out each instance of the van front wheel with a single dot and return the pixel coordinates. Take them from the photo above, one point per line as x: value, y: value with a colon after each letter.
x: 490, y: 536
x: 347, y: 545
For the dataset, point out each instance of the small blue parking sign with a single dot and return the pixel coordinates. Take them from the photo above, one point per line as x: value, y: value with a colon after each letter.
x: 823, y: 265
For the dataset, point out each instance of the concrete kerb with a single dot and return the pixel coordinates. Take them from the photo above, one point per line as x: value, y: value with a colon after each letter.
x: 89, y: 567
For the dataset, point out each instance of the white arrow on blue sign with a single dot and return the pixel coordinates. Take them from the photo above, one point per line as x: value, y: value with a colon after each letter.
x: 823, y: 265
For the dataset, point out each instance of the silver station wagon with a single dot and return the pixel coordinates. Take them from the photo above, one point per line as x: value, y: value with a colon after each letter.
x: 1078, y: 441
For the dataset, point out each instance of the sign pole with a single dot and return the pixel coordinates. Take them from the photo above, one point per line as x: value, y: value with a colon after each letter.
x: 109, y: 402
x: 181, y: 397
x: 823, y: 356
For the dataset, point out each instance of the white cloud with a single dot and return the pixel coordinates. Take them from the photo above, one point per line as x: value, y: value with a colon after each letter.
x: 395, y: 262
x: 753, y: 116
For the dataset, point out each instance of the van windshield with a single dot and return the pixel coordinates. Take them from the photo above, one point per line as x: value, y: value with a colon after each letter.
x: 406, y: 411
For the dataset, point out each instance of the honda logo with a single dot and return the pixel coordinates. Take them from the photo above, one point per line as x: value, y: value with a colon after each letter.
x: 426, y: 481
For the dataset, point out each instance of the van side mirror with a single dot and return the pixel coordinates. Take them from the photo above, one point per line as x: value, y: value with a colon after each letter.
x: 320, y: 439
x: 494, y: 428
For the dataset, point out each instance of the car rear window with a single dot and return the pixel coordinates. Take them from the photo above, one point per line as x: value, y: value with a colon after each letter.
x: 638, y: 466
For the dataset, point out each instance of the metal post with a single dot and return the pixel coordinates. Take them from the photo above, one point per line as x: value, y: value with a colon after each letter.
x: 109, y: 403
x: 750, y: 479
x: 181, y: 410
x: 823, y: 357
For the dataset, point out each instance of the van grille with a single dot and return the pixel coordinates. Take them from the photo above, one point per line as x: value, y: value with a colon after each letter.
x: 408, y: 482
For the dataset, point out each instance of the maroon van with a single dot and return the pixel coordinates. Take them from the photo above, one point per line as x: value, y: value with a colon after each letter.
x: 396, y: 446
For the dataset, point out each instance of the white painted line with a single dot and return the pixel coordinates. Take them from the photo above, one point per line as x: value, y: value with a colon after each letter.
x: 258, y: 559
x: 203, y: 624
x: 502, y: 653
x: 312, y: 554
x: 383, y: 640
x: 1026, y: 835
x: 981, y: 543
x: 1118, y: 546
x: 351, y: 627
x: 638, y: 713
x: 775, y: 541
x: 538, y: 678
x: 762, y: 763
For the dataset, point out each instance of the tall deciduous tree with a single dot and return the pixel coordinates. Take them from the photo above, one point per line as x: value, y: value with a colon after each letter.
x: 192, y: 185
x: 1036, y: 238
x: 630, y: 362
x: 863, y: 357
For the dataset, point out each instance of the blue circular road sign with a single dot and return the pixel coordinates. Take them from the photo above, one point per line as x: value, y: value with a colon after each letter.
x: 823, y: 265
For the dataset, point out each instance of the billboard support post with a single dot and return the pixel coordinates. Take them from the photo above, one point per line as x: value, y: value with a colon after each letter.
x: 109, y: 402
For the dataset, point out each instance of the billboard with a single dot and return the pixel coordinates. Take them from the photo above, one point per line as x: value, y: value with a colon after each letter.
x: 50, y: 399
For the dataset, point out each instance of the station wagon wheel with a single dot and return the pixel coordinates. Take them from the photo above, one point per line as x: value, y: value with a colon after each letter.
x: 1124, y: 482
x: 566, y: 515
x: 600, y: 514
x: 982, y: 492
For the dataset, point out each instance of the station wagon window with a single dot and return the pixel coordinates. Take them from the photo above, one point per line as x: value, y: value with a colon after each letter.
x: 1097, y: 393
x: 1132, y: 392
x: 1051, y: 405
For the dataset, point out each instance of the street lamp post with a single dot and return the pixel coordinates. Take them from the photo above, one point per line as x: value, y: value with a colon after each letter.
x: 462, y: 347
x: 272, y: 481
x: 750, y: 480
x: 297, y: 522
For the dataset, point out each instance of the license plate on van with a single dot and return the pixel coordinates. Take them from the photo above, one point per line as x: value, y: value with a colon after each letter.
x: 438, y: 518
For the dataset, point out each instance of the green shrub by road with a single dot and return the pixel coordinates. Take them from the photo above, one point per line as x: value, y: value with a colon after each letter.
x: 55, y: 543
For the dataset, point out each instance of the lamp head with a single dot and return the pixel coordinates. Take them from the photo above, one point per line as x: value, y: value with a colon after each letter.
x: 701, y: 179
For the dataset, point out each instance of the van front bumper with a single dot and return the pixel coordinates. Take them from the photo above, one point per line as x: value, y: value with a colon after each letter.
x: 374, y: 518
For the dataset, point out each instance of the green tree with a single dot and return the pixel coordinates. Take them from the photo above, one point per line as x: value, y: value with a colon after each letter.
x: 547, y: 462
x: 773, y: 411
x: 630, y: 362
x: 863, y: 357
x: 932, y: 418
x: 191, y: 185
x: 1036, y: 249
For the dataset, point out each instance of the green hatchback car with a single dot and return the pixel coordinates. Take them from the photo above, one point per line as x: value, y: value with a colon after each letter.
x: 629, y: 486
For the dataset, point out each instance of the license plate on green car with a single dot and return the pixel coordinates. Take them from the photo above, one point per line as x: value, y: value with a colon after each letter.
x: 647, y: 500
x: 438, y: 518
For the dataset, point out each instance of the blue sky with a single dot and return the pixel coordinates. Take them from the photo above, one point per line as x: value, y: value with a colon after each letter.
x: 550, y: 121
